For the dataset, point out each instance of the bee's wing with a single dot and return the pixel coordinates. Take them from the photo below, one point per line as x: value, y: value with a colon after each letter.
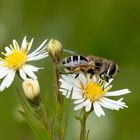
x: 76, y: 64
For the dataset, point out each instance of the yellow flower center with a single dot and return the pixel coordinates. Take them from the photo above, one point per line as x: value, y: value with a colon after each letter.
x: 93, y: 90
x: 16, y: 59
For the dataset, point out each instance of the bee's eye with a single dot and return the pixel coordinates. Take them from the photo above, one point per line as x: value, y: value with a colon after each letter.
x: 112, y: 69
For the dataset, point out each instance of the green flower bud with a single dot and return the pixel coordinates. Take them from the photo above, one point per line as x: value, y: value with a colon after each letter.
x: 54, y: 48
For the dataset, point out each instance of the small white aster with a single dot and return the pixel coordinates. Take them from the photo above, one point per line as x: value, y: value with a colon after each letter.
x: 91, y: 93
x: 16, y: 59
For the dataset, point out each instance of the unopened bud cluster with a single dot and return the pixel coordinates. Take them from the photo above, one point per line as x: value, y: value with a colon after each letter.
x: 54, y: 49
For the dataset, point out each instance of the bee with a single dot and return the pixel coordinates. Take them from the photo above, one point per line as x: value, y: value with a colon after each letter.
x: 99, y: 66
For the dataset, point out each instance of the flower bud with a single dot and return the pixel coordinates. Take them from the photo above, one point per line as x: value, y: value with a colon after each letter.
x: 31, y: 88
x: 54, y: 49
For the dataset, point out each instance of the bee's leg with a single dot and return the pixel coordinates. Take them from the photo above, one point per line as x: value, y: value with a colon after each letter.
x: 77, y: 72
x: 103, y: 77
x: 91, y: 72
x: 65, y: 72
x: 91, y: 75
x: 76, y: 75
x: 107, y: 79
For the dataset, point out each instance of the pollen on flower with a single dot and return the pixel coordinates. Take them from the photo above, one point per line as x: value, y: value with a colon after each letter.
x: 16, y: 59
x: 93, y: 90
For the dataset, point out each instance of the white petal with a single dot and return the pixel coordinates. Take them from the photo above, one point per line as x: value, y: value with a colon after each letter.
x: 39, y: 52
x: 106, y: 105
x: 120, y: 99
x: 88, y: 106
x: 113, y: 104
x: 123, y: 104
x: 81, y: 105
x: 108, y: 83
x: 8, y: 80
x: 8, y: 50
x: 22, y: 74
x: 79, y: 101
x: 118, y: 92
x: 82, y: 78
x: 38, y: 49
x: 69, y: 79
x: 4, y: 71
x: 30, y: 44
x: 24, y: 43
x: 98, y: 110
x: 71, y: 93
x: 65, y: 85
x: 15, y: 44
x: 108, y: 88
x: 33, y: 68
x: 76, y: 94
x: 29, y: 71
x: 37, y: 57
x: 66, y: 78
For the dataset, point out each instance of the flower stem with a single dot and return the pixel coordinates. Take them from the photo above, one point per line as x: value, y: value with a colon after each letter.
x: 58, y: 95
x: 83, y: 132
x: 59, y: 101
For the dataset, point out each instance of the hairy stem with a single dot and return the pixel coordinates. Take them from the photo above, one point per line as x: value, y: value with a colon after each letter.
x: 83, y: 131
x: 58, y: 95
x: 59, y: 101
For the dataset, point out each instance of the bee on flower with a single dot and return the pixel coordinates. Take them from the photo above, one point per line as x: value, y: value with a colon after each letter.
x: 91, y: 93
x: 16, y: 59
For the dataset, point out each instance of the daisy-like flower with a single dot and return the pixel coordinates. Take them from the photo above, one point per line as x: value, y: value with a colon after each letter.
x: 16, y: 59
x: 91, y: 93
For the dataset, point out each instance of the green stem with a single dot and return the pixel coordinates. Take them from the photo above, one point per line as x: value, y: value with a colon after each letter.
x: 57, y: 75
x: 83, y: 131
x: 42, y: 117
x: 59, y: 101
x: 60, y: 133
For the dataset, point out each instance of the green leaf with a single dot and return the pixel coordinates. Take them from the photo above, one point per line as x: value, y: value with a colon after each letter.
x: 24, y: 104
x: 36, y: 126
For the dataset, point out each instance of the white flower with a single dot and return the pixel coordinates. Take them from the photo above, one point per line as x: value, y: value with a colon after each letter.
x: 17, y: 58
x: 31, y: 88
x: 91, y: 93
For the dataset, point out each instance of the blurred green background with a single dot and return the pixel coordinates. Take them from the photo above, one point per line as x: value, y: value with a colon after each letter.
x: 108, y: 28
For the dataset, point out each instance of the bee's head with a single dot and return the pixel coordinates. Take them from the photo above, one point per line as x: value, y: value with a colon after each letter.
x: 113, y: 69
